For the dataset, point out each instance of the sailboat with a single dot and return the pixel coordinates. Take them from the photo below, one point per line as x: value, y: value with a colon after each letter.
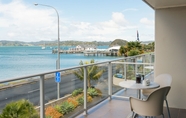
x: 43, y: 47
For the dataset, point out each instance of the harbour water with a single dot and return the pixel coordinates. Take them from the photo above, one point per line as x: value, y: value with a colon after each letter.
x: 21, y: 61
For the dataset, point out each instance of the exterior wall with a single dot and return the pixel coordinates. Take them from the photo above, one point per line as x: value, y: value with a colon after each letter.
x: 170, y: 51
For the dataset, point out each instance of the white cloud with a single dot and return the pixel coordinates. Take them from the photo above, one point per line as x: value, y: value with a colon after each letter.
x: 30, y: 23
x: 147, y: 22
x: 11, y: 34
x: 118, y: 20
x: 101, y: 31
x: 24, y: 23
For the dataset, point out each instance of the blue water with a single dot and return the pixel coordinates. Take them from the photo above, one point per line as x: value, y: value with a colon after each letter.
x: 21, y: 61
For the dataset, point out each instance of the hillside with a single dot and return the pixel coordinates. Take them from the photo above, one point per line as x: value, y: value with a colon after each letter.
x: 67, y: 43
x: 52, y: 43
x: 119, y: 42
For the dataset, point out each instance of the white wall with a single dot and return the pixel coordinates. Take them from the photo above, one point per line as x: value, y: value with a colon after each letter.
x: 170, y: 51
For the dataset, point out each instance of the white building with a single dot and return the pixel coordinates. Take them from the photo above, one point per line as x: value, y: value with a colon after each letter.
x: 114, y: 48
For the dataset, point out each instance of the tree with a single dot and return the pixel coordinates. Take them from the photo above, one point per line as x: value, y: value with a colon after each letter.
x: 123, y: 50
x: 134, y: 45
x: 152, y: 48
x: 132, y: 48
x: 133, y: 52
x: 93, y: 72
x: 149, y: 47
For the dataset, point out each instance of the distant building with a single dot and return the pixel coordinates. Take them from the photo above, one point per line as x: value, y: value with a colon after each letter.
x: 90, y: 47
x: 114, y: 48
x: 82, y: 48
x: 79, y: 47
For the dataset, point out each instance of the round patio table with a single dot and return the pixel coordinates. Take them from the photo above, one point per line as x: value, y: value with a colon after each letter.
x: 131, y: 84
x: 138, y: 86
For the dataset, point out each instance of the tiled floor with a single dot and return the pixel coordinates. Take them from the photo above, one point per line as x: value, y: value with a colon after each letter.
x: 120, y: 108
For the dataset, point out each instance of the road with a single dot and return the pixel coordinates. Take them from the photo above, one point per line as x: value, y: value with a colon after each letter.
x: 31, y: 90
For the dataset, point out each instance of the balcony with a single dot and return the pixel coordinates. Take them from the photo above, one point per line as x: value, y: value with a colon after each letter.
x: 120, y: 108
x: 42, y: 90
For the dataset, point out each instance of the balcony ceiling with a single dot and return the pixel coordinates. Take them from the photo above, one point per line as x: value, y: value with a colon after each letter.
x: 160, y: 4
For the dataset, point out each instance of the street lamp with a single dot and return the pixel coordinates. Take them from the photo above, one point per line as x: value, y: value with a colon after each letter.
x: 58, y: 52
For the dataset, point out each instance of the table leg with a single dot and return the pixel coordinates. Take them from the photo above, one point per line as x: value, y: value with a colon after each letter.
x: 139, y: 94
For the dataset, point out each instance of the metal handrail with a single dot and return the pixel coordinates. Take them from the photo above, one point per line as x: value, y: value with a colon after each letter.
x: 70, y: 68
x: 132, y: 63
x: 42, y: 78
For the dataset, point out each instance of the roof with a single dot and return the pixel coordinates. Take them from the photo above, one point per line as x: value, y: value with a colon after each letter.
x: 115, y: 47
x: 160, y: 4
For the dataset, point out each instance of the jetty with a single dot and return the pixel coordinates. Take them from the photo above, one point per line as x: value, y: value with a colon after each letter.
x: 96, y: 52
x: 77, y: 49
x: 90, y: 51
x: 100, y: 52
x: 67, y: 51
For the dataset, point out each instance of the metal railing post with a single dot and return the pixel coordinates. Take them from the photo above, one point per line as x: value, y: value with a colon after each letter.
x: 110, y: 79
x: 42, y: 105
x: 143, y: 60
x: 85, y: 90
x: 151, y: 63
x: 136, y: 68
x: 125, y: 71
x: 150, y: 58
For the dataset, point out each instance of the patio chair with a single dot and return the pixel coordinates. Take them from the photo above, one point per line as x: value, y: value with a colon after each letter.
x: 152, y: 106
x: 163, y: 80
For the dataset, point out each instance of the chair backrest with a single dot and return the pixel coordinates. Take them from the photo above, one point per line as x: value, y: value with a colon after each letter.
x: 163, y: 80
x: 156, y: 99
x: 153, y: 106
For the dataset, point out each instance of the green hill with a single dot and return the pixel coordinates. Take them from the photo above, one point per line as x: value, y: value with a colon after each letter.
x: 119, y: 42
x: 52, y: 43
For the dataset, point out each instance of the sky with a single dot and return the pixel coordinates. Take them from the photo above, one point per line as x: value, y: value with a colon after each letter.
x: 79, y: 20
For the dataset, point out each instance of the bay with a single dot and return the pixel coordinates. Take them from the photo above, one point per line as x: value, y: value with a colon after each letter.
x: 22, y: 61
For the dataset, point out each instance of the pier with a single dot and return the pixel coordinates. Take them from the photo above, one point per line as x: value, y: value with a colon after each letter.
x: 96, y: 52
x: 67, y: 51
x: 100, y: 52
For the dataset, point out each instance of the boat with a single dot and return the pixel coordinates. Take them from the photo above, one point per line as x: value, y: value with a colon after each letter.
x: 43, y: 47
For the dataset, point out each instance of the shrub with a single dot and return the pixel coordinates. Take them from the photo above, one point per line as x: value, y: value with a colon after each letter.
x: 48, y: 116
x: 89, y: 98
x: 73, y: 101
x: 58, y: 108
x: 19, y: 109
x: 66, y: 107
x: 50, y: 112
x: 92, y: 92
x: 80, y: 99
x: 77, y: 92
x: 99, y: 91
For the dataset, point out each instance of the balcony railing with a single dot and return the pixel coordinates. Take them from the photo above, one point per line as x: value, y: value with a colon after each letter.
x: 41, y: 89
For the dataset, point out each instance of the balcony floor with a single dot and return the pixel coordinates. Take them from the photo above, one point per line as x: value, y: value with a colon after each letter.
x: 120, y: 108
